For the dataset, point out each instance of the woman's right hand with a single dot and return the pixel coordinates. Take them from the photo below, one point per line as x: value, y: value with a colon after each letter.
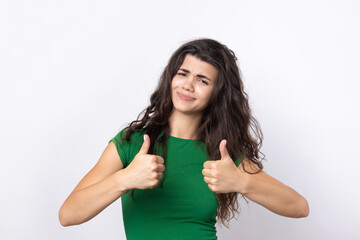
x: 145, y: 170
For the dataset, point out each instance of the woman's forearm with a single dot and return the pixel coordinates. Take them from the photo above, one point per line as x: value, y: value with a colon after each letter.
x: 276, y: 197
x: 84, y: 204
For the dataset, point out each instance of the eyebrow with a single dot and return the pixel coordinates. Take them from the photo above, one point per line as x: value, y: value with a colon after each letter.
x: 199, y: 75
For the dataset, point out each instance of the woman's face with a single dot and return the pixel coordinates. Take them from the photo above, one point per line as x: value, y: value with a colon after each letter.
x: 192, y: 85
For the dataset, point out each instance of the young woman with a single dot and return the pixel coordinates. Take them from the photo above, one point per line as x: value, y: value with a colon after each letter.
x: 185, y: 160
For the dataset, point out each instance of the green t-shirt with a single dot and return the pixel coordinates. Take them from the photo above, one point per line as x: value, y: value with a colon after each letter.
x: 185, y: 208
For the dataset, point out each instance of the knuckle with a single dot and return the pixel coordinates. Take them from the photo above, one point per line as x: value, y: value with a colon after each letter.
x: 155, y: 183
x: 159, y: 168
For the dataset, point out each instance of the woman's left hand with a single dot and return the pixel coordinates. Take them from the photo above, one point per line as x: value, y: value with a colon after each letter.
x: 222, y: 176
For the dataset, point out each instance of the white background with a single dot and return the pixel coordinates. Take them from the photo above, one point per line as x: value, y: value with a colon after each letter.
x: 73, y: 73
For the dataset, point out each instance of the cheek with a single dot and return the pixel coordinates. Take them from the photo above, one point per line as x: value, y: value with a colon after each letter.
x: 175, y: 83
x: 207, y: 94
x: 174, y: 87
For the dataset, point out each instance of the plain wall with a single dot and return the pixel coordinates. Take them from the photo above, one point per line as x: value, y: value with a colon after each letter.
x: 73, y: 73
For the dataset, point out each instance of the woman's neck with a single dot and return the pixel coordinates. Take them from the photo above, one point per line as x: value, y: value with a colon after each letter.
x: 184, y: 126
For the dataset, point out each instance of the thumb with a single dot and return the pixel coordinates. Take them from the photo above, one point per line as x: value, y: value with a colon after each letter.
x: 223, y: 150
x: 146, y: 145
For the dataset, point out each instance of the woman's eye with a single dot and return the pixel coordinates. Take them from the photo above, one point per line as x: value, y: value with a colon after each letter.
x: 181, y: 74
x: 204, y: 82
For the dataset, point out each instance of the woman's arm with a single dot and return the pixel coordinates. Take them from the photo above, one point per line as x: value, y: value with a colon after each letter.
x: 104, y: 184
x: 270, y: 193
x: 223, y: 176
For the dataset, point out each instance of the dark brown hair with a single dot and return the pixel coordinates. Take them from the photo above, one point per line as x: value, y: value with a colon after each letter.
x: 227, y: 116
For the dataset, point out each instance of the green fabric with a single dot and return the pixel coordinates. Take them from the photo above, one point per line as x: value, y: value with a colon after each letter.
x: 185, y: 208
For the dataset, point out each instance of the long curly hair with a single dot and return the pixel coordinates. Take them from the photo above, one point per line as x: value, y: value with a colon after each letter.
x: 227, y: 116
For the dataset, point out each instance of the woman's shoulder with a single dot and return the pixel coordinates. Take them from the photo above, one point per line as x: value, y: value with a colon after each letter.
x: 135, y: 135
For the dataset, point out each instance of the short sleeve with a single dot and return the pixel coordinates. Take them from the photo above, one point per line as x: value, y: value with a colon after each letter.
x: 122, y: 148
x: 127, y: 150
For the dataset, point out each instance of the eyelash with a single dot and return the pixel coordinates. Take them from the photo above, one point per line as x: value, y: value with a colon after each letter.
x: 183, y: 74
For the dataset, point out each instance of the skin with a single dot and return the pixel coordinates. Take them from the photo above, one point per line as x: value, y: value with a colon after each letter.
x: 222, y: 176
x: 108, y: 180
x: 186, y: 115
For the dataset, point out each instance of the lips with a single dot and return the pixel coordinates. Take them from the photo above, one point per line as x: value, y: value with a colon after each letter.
x: 185, y: 97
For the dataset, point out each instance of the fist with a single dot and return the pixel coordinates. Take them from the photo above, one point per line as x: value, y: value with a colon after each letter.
x: 222, y: 176
x: 145, y: 170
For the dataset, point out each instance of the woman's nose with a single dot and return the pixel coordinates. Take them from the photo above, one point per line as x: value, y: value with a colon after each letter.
x: 188, y: 84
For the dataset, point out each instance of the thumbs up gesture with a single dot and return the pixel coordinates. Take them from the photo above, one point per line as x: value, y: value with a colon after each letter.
x: 222, y: 176
x: 145, y: 170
